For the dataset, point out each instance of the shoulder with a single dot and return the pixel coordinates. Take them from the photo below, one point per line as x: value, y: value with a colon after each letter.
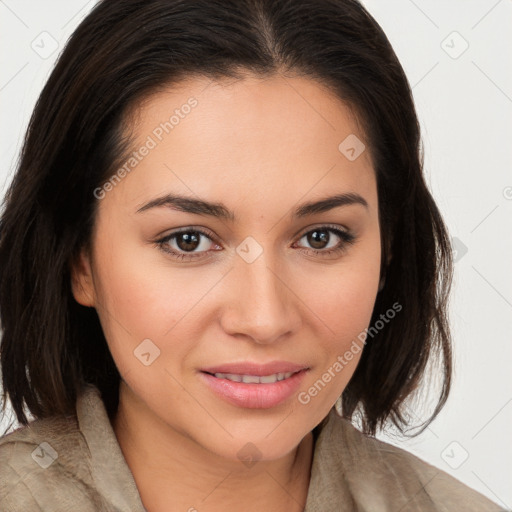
x: 45, y: 466
x: 382, y: 477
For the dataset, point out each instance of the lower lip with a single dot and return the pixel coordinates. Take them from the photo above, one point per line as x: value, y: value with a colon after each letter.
x: 255, y: 396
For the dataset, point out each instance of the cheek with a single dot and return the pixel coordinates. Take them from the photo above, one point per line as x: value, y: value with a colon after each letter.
x: 345, y: 308
x: 342, y: 300
x: 343, y: 295
x: 141, y: 297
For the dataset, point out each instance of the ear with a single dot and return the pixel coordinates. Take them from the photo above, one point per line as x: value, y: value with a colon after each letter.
x: 82, y: 284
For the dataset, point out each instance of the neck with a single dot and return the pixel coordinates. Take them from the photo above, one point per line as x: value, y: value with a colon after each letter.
x: 171, y: 468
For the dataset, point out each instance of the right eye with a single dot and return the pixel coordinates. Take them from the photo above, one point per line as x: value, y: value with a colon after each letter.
x: 183, y: 244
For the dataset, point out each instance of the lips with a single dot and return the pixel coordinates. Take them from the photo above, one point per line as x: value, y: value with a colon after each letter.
x: 254, y: 386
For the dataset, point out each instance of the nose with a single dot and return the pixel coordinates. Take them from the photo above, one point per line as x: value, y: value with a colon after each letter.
x: 261, y: 304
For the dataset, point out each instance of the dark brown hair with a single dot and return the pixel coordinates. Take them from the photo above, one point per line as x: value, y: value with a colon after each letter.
x: 125, y: 50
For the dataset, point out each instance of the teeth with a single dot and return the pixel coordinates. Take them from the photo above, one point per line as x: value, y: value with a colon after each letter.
x: 254, y: 379
x: 233, y: 377
x: 250, y: 379
x: 269, y: 379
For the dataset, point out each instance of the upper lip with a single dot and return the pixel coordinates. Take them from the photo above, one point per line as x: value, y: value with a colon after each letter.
x: 247, y: 368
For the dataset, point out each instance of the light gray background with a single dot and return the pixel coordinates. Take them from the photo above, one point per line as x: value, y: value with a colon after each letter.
x: 464, y: 101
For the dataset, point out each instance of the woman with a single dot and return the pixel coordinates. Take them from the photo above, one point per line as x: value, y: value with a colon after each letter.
x: 217, y: 251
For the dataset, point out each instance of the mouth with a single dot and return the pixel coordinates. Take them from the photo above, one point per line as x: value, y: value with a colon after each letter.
x: 260, y: 391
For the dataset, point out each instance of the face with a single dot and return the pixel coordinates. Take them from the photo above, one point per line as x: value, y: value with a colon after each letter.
x: 272, y: 293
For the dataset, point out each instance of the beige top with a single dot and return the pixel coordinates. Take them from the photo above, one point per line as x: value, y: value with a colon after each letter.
x: 64, y: 464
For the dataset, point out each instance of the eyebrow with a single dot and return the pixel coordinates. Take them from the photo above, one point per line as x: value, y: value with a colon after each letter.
x: 219, y: 210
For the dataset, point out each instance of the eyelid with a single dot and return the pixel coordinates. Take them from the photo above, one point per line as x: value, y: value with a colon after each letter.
x: 335, y: 227
x: 205, y: 231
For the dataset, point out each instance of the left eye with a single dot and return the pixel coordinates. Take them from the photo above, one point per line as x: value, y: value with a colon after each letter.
x: 319, y: 237
x: 186, y: 243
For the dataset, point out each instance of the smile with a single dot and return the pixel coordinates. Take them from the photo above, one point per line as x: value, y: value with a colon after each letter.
x: 254, y: 391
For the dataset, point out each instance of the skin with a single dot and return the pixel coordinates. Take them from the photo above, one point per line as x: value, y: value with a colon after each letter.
x: 261, y: 147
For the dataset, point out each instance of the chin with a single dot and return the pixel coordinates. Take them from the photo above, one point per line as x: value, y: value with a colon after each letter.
x: 264, y: 442
x: 249, y: 453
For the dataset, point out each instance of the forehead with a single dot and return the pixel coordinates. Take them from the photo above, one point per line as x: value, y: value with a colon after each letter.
x: 297, y: 109
x: 216, y: 138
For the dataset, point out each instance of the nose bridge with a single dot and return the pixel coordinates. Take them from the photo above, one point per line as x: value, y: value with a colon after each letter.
x: 262, y: 307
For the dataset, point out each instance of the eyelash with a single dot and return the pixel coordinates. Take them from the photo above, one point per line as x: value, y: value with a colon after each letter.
x: 347, y: 239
